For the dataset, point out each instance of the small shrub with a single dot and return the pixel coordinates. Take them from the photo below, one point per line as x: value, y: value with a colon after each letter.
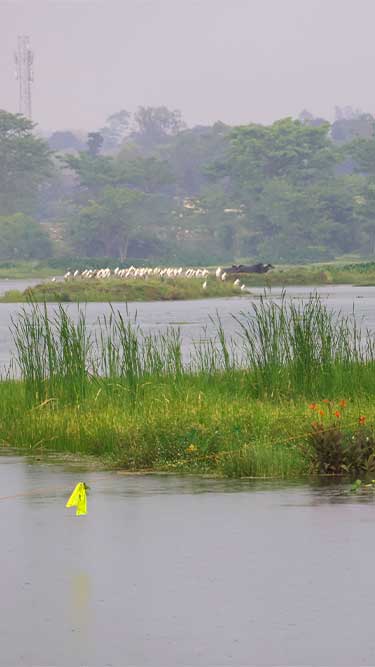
x: 360, y: 452
x: 338, y: 451
x: 327, y: 448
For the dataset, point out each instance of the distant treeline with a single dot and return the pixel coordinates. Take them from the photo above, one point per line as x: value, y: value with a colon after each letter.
x: 147, y: 188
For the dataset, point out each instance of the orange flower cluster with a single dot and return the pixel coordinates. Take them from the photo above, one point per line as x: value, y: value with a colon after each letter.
x: 330, y: 404
x: 334, y: 413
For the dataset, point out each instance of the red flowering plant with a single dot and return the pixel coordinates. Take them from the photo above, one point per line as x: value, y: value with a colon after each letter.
x: 336, y: 449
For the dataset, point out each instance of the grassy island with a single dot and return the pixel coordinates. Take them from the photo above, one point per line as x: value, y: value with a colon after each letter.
x: 114, y: 290
x: 291, y: 395
x: 159, y: 289
x: 334, y: 273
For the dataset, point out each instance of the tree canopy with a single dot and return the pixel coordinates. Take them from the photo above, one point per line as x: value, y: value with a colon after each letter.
x: 104, y: 226
x: 24, y: 164
x: 295, y: 190
x: 23, y: 238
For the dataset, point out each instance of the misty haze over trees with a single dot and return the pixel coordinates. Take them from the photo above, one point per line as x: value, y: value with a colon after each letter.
x: 147, y: 188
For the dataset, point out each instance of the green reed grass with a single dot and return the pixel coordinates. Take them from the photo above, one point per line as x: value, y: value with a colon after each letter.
x: 285, y: 348
x: 305, y: 349
x: 53, y: 353
x: 232, y: 406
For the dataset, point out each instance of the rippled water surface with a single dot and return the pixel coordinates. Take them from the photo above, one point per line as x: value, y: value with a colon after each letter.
x: 182, y: 571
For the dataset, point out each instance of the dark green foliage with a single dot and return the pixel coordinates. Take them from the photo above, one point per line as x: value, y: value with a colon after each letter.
x: 116, y: 127
x: 327, y: 449
x: 65, y: 140
x: 23, y: 238
x: 104, y: 226
x: 287, y: 149
x: 193, y: 155
x: 154, y: 125
x: 336, y: 451
x: 278, y: 193
x: 94, y: 143
x: 24, y: 164
x: 361, y: 126
x: 291, y: 192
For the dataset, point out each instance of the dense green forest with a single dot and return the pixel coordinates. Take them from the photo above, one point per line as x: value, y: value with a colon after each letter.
x: 146, y: 188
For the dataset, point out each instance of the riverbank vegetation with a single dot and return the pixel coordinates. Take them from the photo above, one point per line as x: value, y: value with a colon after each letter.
x: 283, y: 398
x: 335, y: 273
x: 27, y: 269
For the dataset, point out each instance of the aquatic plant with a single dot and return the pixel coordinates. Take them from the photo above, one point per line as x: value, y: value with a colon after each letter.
x: 281, y: 349
x: 338, y: 447
x: 53, y: 353
x: 234, y: 406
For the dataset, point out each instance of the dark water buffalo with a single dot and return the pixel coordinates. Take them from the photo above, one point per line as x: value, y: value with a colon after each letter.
x: 253, y: 268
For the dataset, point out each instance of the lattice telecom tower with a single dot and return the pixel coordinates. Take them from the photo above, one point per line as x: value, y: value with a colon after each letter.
x: 24, y: 59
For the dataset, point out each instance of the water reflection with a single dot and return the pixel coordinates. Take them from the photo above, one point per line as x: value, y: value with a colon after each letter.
x: 80, y: 599
x: 36, y: 479
x: 183, y: 571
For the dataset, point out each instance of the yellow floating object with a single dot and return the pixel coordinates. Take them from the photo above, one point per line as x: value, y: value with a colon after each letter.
x: 79, y: 499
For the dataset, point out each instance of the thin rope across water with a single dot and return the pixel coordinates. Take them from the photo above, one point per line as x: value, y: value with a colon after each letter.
x: 215, y: 456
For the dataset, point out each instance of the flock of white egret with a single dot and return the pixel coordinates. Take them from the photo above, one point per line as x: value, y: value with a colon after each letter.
x: 147, y: 272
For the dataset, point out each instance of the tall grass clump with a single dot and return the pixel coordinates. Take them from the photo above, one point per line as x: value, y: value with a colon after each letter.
x: 60, y: 358
x: 282, y: 349
x: 215, y: 355
x: 305, y: 349
x: 52, y: 354
x: 235, y: 405
x: 127, y: 357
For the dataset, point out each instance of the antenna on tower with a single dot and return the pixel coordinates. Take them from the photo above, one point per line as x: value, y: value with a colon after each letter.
x: 24, y: 59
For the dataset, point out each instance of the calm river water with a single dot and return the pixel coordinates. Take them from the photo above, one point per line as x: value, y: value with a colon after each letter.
x: 168, y: 571
x: 193, y: 316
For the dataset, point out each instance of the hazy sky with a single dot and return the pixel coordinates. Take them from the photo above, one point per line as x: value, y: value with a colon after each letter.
x: 230, y: 60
